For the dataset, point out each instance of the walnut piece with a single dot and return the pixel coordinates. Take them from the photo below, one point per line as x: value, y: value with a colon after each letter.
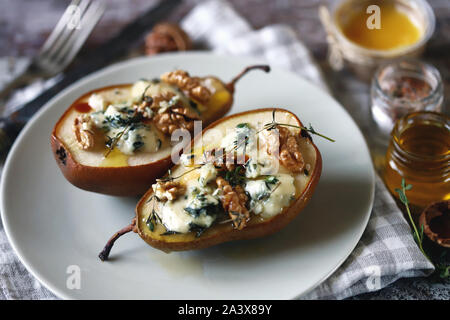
x: 189, y: 84
x: 289, y: 149
x: 144, y: 108
x: 150, y: 105
x: 84, y: 131
x: 166, y: 37
x: 175, y: 118
x: 233, y: 202
x: 168, y: 190
x: 223, y: 160
x: 218, y: 158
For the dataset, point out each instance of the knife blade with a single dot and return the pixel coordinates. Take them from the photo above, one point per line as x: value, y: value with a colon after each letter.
x: 114, y: 48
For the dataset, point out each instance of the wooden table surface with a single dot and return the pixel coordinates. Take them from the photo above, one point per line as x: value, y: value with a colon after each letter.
x: 25, y: 24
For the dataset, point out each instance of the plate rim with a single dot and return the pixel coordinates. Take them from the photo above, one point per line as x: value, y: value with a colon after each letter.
x: 124, y: 64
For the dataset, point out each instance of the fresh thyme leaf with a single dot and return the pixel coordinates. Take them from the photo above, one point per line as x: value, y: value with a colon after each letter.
x: 444, y: 271
x: 150, y: 225
x: 169, y: 232
x: 144, y: 92
x: 270, y: 180
x: 197, y: 229
x: 236, y: 177
x: 243, y: 125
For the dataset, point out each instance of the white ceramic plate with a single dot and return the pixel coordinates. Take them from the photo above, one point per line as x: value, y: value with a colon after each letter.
x: 53, y: 225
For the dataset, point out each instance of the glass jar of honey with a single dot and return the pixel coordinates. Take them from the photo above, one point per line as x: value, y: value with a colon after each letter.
x: 419, y: 152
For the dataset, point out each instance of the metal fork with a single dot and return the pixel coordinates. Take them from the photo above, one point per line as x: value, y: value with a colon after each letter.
x: 58, y: 51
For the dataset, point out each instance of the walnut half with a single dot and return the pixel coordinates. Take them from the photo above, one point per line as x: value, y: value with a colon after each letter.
x: 84, y: 132
x: 233, y: 202
x: 175, y: 118
x: 168, y: 190
x: 185, y: 82
x: 289, y: 149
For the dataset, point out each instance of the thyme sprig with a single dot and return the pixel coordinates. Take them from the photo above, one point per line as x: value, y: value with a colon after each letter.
x: 418, y: 235
x: 127, y: 124
x: 153, y: 218
x: 237, y: 144
x: 442, y: 268
x: 273, y: 125
x: 170, y: 178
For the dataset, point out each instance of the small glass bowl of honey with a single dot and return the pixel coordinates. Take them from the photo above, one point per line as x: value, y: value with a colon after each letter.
x: 419, y: 152
x: 404, y: 28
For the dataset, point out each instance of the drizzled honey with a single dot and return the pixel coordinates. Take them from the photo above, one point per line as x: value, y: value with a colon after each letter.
x: 115, y: 158
x: 419, y: 152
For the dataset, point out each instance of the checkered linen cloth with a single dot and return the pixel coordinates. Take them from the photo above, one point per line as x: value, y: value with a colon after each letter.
x: 385, y: 253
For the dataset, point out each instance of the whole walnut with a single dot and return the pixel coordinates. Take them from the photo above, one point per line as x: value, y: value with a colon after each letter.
x: 166, y: 37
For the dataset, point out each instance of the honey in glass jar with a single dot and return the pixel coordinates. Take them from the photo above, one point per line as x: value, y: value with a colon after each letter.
x: 419, y: 152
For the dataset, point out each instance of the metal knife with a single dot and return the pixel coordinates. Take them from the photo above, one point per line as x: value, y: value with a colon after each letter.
x: 98, y: 58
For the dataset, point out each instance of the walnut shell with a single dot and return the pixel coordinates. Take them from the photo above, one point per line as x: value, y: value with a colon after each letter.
x: 436, y: 222
x: 166, y: 37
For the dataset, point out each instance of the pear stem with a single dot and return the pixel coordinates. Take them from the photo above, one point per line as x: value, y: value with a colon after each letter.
x: 104, y: 254
x: 230, y: 85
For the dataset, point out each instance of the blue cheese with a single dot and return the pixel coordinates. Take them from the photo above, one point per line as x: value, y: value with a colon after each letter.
x: 98, y: 118
x: 243, y: 137
x: 138, y: 88
x: 271, y: 195
x: 199, y: 208
x: 207, y: 173
x: 143, y: 139
x: 258, y: 166
x: 136, y: 137
x: 97, y: 102
x: 113, y: 111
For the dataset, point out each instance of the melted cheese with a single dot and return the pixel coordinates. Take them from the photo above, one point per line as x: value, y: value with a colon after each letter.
x: 97, y: 102
x: 138, y: 88
x: 174, y: 216
x: 269, y: 200
x: 243, y: 135
x: 262, y: 164
x: 141, y: 137
x: 207, y: 173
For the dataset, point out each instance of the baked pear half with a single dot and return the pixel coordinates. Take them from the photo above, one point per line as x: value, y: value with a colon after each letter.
x: 117, y: 140
x: 248, y: 175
